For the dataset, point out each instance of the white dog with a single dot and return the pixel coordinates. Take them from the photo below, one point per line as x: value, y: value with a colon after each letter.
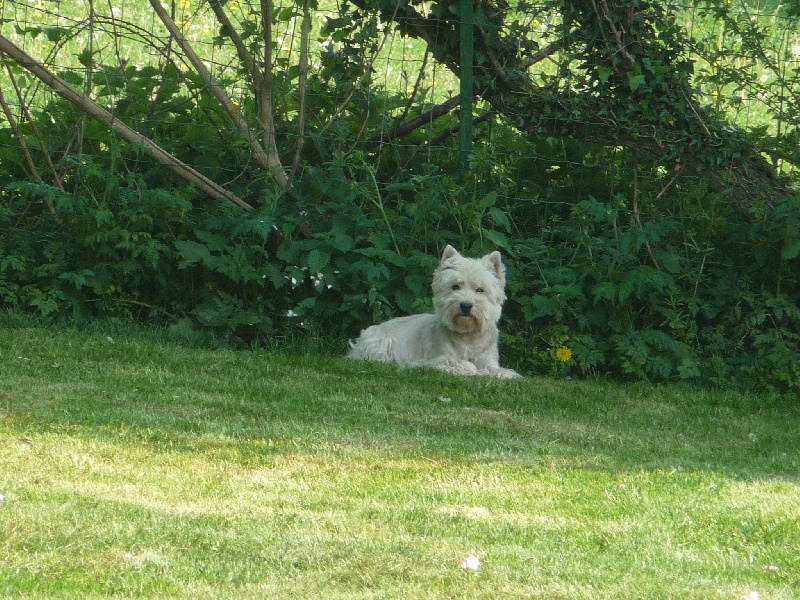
x: 461, y: 336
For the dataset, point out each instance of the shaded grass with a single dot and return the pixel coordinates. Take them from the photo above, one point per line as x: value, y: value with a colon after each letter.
x: 146, y: 469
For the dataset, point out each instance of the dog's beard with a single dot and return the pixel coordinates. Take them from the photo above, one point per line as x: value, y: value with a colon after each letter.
x: 461, y: 323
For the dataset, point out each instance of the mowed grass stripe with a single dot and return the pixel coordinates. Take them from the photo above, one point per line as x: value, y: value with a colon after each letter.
x: 148, y: 469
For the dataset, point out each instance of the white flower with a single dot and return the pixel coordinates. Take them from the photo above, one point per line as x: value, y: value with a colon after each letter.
x: 751, y: 596
x: 472, y: 562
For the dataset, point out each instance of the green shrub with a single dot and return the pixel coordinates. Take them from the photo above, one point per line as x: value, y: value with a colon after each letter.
x: 683, y: 287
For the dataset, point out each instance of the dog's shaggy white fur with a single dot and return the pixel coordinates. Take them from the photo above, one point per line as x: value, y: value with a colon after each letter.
x: 461, y: 336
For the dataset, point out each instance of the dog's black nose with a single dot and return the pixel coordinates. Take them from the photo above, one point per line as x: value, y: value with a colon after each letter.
x: 465, y: 307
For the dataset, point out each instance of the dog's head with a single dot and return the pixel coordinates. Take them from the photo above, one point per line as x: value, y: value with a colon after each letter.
x: 468, y: 293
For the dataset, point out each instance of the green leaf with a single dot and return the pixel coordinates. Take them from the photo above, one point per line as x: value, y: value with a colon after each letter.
x: 500, y: 218
x: 488, y: 200
x: 79, y: 279
x: 688, y: 369
x: 500, y: 240
x: 791, y: 248
x: 340, y: 241
x: 635, y: 81
x: 286, y: 14
x: 54, y: 34
x: 539, y: 306
x: 85, y: 58
x: 605, y: 290
x: 317, y: 261
x: 192, y: 253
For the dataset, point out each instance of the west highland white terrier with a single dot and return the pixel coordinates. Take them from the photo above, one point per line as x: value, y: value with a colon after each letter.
x: 461, y: 336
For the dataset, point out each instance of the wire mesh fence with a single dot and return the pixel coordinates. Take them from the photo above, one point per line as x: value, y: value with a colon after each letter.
x: 746, y: 58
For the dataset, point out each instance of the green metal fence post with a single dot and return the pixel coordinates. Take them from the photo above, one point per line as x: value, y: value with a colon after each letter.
x: 466, y: 87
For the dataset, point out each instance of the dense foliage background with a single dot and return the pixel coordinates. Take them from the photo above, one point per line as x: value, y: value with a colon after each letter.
x: 634, y: 162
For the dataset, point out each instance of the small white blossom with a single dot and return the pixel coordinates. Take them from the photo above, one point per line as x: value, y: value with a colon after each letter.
x: 472, y: 562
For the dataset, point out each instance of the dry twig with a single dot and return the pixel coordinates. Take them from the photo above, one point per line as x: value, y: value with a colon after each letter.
x: 97, y: 112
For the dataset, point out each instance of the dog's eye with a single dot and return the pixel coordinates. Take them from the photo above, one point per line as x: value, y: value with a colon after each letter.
x: 479, y: 290
x: 456, y: 287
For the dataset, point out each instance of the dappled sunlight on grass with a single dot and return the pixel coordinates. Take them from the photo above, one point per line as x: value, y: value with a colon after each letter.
x: 151, y: 469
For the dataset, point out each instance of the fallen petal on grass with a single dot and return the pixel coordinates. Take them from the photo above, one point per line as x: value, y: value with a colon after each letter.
x: 471, y: 563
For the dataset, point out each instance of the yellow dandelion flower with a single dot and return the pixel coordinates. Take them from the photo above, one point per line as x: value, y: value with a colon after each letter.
x: 564, y: 354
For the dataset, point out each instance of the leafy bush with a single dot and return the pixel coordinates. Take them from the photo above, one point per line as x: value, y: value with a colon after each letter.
x: 685, y: 296
x: 635, y: 266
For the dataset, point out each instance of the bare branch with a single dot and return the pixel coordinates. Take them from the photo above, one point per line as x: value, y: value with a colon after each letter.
x: 305, y: 32
x: 268, y: 161
x: 415, y: 90
x: 635, y: 206
x: 241, y: 49
x: 604, y: 15
x: 266, y: 115
x: 545, y: 52
x: 106, y: 118
x: 414, y: 124
x: 35, y: 129
x: 24, y: 146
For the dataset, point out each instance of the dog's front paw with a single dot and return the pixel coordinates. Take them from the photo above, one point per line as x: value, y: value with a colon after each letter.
x: 506, y: 373
x: 460, y: 367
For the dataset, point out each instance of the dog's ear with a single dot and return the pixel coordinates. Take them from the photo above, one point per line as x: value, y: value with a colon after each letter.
x: 495, y: 263
x: 449, y: 253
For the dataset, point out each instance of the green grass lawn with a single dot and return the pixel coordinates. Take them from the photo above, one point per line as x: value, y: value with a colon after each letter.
x: 130, y: 467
